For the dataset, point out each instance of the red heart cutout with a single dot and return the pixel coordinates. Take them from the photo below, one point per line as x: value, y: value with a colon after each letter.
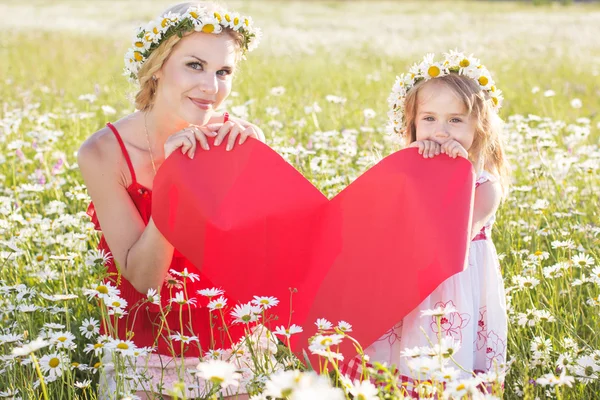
x: 253, y: 225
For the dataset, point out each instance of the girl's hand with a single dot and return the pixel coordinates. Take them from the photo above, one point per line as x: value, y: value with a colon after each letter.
x: 453, y: 149
x: 428, y: 148
x: 186, y: 139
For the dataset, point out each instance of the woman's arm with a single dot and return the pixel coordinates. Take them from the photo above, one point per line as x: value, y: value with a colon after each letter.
x: 487, y: 200
x: 141, y: 252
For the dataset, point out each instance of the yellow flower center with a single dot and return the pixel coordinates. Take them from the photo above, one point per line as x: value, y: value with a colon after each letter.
x: 495, y: 100
x: 98, y: 345
x: 98, y: 364
x: 246, y: 22
x: 102, y: 289
x: 326, y: 341
x: 493, y: 88
x: 216, y: 380
x: 218, y: 16
x: 194, y: 14
x: 138, y: 56
x: 227, y: 18
x: 464, y: 63
x: 433, y: 71
x: 460, y: 387
x: 164, y: 22
x: 236, y: 21
x: 61, y: 339
x: 139, y: 44
x: 538, y: 253
x: 116, y: 304
x: 75, y: 364
x: 184, y: 338
x: 155, y: 30
x: 54, y: 362
x: 39, y: 258
x: 122, y: 346
x: 483, y: 80
x: 208, y: 28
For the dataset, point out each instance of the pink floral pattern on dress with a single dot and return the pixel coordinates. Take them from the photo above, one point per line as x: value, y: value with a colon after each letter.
x: 495, y: 350
x: 393, y: 335
x: 481, y: 329
x: 451, y: 324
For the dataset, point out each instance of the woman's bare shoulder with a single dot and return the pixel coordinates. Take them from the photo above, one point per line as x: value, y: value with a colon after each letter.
x: 102, y: 146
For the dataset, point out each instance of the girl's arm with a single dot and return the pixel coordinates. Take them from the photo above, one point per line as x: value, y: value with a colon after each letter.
x: 141, y: 252
x: 487, y: 200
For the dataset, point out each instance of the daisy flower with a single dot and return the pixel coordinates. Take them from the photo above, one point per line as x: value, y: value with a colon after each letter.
x: 265, y: 302
x: 217, y: 304
x: 179, y: 337
x: 246, y: 313
x: 186, y: 274
x: 90, y: 327
x: 180, y: 299
x: 344, y: 326
x: 213, y: 292
x: 287, y: 332
x: 220, y: 373
x: 323, y: 325
x: 30, y: 347
x: 53, y: 365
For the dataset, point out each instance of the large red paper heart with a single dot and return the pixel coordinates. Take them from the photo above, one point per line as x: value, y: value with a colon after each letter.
x: 253, y: 225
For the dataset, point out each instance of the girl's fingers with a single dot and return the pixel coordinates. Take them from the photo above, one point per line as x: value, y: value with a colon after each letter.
x: 248, y: 132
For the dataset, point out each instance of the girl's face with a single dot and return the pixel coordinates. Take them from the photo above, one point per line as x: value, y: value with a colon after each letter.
x: 442, y: 116
x: 196, y: 77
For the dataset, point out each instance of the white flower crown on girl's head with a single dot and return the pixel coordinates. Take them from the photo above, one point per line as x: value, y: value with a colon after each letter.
x: 454, y: 62
x: 199, y: 19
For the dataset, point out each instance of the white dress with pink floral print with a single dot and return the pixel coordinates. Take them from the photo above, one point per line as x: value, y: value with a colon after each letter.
x: 480, y: 319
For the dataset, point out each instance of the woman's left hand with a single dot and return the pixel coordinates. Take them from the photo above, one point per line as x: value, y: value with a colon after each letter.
x: 235, y: 128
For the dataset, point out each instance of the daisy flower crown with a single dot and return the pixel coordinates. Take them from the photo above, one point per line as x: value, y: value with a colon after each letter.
x: 453, y: 62
x: 199, y: 19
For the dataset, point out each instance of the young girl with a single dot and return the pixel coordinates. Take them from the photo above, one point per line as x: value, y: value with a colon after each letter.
x: 449, y: 108
x: 184, y: 62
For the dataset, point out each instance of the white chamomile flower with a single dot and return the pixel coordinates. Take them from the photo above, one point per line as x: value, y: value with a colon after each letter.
x: 265, y: 302
x: 217, y: 304
x: 219, y: 372
x: 323, y: 325
x: 90, y: 327
x: 287, y: 332
x: 62, y: 340
x: 344, y: 326
x: 53, y: 365
x: 246, y: 313
x: 30, y: 347
x: 212, y: 292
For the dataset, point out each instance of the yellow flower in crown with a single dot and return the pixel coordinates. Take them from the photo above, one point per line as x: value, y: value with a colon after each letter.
x: 453, y: 62
x: 199, y: 19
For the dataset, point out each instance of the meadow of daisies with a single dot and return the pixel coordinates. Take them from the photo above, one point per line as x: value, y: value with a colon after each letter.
x: 318, y: 87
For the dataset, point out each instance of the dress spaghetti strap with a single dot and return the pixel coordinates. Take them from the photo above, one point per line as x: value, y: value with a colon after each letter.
x: 124, y: 150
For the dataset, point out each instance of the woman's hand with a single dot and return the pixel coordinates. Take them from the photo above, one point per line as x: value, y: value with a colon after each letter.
x: 187, y: 139
x: 235, y: 127
x: 428, y: 148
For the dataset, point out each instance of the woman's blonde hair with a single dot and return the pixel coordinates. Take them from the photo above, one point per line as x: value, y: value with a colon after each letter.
x: 144, y: 99
x: 487, y: 150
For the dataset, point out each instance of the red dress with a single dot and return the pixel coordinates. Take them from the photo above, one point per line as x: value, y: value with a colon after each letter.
x: 143, y: 318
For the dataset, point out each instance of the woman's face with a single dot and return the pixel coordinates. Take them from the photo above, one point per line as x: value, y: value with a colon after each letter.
x: 196, y: 77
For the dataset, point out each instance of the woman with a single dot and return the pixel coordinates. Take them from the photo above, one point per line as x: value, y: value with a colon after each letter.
x: 184, y: 63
